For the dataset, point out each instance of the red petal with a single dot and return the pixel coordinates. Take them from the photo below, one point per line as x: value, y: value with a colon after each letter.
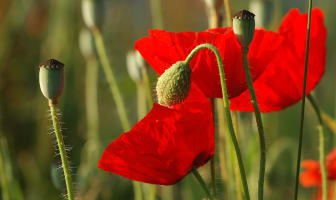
x: 311, y: 176
x: 162, y: 49
x: 280, y: 85
x: 164, y: 146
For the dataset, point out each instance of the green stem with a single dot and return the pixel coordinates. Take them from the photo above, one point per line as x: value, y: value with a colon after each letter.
x: 62, y: 150
x: 120, y: 106
x: 257, y: 115
x: 322, y: 148
x: 121, y: 109
x: 147, y: 86
x: 156, y: 13
x: 298, y: 163
x: 202, y: 183
x: 227, y: 109
x: 213, y: 177
x: 91, y: 95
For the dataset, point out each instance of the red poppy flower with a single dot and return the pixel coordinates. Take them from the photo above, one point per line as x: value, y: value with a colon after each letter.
x: 162, y: 49
x: 164, y: 146
x: 311, y: 177
x: 280, y: 85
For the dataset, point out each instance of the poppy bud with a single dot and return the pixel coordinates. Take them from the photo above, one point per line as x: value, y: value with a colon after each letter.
x: 52, y: 79
x: 174, y: 84
x: 135, y: 63
x: 243, y: 27
x: 86, y: 43
x: 93, y: 13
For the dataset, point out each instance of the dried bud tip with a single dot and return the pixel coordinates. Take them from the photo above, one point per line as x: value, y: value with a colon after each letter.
x: 52, y: 64
x: 243, y: 14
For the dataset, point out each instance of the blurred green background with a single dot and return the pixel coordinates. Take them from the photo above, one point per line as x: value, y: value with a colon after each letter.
x: 32, y: 31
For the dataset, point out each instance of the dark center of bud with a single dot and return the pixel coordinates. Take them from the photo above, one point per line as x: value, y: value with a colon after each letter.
x: 244, y: 14
x: 174, y: 84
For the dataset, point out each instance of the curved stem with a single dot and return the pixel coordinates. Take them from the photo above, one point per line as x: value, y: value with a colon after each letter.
x: 61, y: 147
x: 322, y: 148
x: 298, y: 163
x: 120, y: 106
x: 226, y: 104
x: 202, y: 183
x: 257, y: 115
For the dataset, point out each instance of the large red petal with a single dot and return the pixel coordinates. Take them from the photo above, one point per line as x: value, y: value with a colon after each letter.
x: 162, y: 49
x: 280, y: 85
x: 164, y: 146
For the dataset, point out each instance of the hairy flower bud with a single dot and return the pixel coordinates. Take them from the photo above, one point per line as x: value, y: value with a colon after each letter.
x: 93, y: 13
x: 174, y: 84
x: 52, y: 79
x: 243, y: 27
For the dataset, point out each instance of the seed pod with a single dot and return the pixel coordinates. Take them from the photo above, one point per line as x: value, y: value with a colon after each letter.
x: 93, y: 13
x: 243, y: 27
x: 174, y: 84
x: 52, y: 79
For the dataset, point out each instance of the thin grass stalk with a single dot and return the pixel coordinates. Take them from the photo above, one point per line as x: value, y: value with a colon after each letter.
x: 298, y: 163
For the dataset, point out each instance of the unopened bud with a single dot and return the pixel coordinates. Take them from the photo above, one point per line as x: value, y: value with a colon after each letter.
x: 86, y: 43
x: 243, y: 27
x: 135, y: 63
x: 52, y: 79
x: 174, y: 84
x: 93, y: 13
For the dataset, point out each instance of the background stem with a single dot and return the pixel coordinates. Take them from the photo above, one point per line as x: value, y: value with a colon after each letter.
x: 321, y: 147
x: 120, y: 106
x: 202, y: 183
x: 298, y: 163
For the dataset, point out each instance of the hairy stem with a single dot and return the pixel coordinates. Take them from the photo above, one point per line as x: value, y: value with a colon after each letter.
x: 226, y: 104
x: 62, y: 150
x: 321, y: 147
x: 298, y: 163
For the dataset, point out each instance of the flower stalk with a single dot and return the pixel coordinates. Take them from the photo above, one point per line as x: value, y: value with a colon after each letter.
x: 120, y: 106
x: 227, y: 109
x: 258, y: 118
x: 303, y: 102
x: 62, y: 150
x: 321, y: 147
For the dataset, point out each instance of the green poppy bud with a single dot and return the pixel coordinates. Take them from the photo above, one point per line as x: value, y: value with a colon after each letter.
x: 52, y: 79
x: 86, y: 43
x: 243, y: 27
x: 174, y: 84
x: 93, y: 13
x: 135, y: 63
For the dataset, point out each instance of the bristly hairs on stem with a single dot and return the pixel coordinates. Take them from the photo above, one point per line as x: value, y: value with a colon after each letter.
x: 298, y: 163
